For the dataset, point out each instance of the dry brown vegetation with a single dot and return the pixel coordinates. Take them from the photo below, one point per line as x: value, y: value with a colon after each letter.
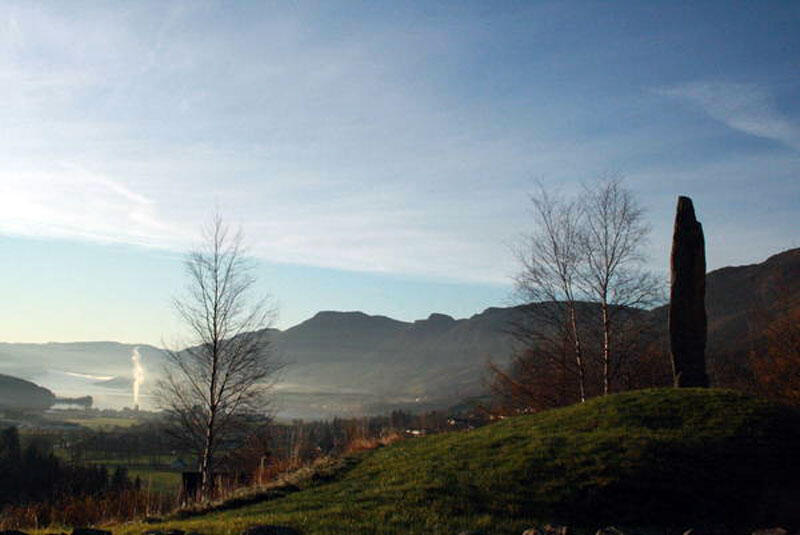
x: 775, y: 359
x: 275, y: 476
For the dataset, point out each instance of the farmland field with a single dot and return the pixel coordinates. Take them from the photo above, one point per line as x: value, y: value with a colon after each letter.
x: 103, y: 424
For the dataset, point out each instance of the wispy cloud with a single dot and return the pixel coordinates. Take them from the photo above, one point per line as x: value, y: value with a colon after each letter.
x: 320, y: 147
x: 69, y: 201
x: 748, y: 108
x: 390, y: 144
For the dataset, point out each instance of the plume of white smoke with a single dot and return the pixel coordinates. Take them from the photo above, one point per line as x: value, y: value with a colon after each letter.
x: 138, y: 375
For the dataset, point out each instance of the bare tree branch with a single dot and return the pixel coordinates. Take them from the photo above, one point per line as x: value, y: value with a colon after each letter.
x: 584, y: 255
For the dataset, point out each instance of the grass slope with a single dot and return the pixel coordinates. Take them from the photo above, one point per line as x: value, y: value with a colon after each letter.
x: 680, y: 457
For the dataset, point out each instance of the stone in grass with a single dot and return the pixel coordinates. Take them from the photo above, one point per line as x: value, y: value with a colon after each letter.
x: 548, y: 529
x: 270, y: 530
x: 609, y: 530
x: 90, y: 531
x: 717, y: 530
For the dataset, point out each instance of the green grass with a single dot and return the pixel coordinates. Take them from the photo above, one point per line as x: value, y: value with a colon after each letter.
x: 155, y: 480
x: 135, y: 460
x: 667, y: 457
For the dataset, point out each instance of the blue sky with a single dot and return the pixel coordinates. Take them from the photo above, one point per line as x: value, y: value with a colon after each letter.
x: 377, y: 155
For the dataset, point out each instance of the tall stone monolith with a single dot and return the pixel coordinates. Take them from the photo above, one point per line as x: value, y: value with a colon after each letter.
x: 687, y: 299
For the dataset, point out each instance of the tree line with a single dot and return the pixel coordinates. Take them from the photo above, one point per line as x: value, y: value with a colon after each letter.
x: 31, y: 474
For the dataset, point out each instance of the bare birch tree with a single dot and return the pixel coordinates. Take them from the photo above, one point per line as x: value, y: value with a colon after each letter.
x: 224, y: 375
x: 612, y: 236
x: 584, y: 283
x: 550, y: 260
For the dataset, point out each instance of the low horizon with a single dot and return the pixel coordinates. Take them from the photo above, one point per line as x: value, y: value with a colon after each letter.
x: 422, y: 317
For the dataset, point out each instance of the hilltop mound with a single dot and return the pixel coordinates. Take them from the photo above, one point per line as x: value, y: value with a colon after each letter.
x: 18, y: 393
x: 664, y: 457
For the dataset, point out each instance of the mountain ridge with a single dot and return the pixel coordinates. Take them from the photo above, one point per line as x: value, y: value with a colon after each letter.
x: 376, y: 361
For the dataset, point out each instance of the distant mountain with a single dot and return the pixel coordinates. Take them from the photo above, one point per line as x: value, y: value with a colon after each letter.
x: 407, y: 362
x: 346, y: 363
x: 440, y: 359
x: 16, y: 393
x: 736, y: 294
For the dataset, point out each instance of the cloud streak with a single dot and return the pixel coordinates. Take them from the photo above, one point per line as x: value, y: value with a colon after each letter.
x: 747, y: 108
x: 69, y: 201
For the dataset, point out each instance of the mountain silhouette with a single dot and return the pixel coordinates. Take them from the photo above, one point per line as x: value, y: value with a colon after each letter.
x: 347, y: 363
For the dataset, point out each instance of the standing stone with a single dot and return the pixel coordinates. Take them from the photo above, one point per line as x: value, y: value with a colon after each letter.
x: 687, y: 299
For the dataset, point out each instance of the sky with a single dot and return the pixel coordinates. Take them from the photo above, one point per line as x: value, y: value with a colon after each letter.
x: 377, y: 155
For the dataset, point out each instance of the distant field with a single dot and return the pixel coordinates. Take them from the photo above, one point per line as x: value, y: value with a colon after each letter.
x: 161, y: 461
x: 155, y: 477
x: 155, y: 472
x: 100, y: 424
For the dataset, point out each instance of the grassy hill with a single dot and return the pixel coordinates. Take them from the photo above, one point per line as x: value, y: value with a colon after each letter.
x: 648, y: 458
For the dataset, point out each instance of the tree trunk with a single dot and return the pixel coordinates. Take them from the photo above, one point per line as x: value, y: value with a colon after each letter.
x: 578, y: 352
x: 205, y: 462
x: 606, y: 349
